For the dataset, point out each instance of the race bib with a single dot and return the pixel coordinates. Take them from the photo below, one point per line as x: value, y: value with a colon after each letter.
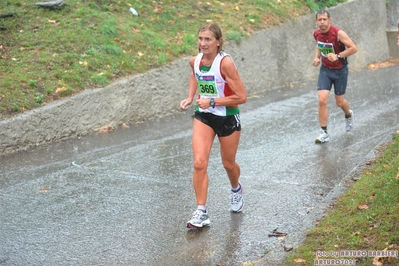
x: 325, y: 48
x: 207, y: 86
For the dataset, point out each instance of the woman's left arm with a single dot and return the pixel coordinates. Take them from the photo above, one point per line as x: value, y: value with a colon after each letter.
x: 232, y: 78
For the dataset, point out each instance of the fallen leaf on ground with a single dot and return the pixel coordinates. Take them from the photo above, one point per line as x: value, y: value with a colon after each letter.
x: 61, y: 90
x: 391, y: 62
x: 363, y: 207
x: 376, y: 261
x: 106, y: 130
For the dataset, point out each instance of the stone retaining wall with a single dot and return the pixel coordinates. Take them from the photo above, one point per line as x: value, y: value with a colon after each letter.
x: 268, y: 59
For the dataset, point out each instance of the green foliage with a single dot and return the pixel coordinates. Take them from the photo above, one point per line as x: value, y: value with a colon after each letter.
x: 109, y: 29
x: 49, y: 90
x: 99, y: 79
x: 162, y: 59
x: 316, y: 5
x: 32, y: 83
x: 112, y: 50
x: 312, y: 5
x: 15, y: 107
x: 235, y: 36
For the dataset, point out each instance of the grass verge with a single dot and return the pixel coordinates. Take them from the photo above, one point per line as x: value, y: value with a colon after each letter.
x: 364, y: 219
x: 46, y: 55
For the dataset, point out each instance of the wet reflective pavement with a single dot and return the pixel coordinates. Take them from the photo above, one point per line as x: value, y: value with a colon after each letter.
x: 123, y: 198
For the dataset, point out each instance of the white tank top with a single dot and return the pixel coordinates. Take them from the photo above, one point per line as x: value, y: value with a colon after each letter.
x: 212, y: 85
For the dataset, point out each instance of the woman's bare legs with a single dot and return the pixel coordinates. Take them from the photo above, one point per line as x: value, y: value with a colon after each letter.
x: 202, y: 140
x: 228, y: 151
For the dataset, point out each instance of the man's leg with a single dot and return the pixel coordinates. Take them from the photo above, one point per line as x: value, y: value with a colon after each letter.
x: 323, y: 116
x: 323, y: 108
x: 340, y: 90
x: 342, y: 103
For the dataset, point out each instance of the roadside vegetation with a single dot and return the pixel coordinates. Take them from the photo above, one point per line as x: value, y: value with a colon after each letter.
x: 364, y: 219
x: 46, y: 55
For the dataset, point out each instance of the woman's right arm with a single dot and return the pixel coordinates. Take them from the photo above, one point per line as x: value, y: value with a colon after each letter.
x: 192, y: 87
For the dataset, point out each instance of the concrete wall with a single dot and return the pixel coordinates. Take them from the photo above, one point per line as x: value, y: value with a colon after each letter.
x: 270, y: 58
x: 392, y: 14
x: 392, y: 27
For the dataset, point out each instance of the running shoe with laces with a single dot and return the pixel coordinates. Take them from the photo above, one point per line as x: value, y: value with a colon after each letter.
x: 349, y: 122
x: 199, y: 219
x: 323, y: 137
x: 236, y: 200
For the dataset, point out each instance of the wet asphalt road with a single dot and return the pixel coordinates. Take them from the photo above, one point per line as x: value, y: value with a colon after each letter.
x: 123, y: 198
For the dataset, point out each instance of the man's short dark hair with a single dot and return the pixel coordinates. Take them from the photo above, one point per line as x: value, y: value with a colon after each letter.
x: 322, y: 11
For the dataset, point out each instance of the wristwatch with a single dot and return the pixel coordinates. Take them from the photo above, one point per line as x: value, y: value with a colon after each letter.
x: 339, y: 56
x: 212, y: 103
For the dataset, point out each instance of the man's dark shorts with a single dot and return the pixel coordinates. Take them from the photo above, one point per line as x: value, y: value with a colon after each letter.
x: 222, y: 125
x: 338, y: 77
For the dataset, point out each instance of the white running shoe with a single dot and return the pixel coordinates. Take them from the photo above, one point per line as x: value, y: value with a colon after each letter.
x: 323, y: 137
x: 349, y: 122
x: 199, y: 219
x: 236, y: 200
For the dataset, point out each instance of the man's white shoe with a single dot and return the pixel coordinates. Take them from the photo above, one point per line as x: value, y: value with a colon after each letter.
x: 323, y: 137
x: 349, y: 122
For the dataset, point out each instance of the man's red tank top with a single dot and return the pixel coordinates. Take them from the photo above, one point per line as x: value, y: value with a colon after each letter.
x: 328, y: 43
